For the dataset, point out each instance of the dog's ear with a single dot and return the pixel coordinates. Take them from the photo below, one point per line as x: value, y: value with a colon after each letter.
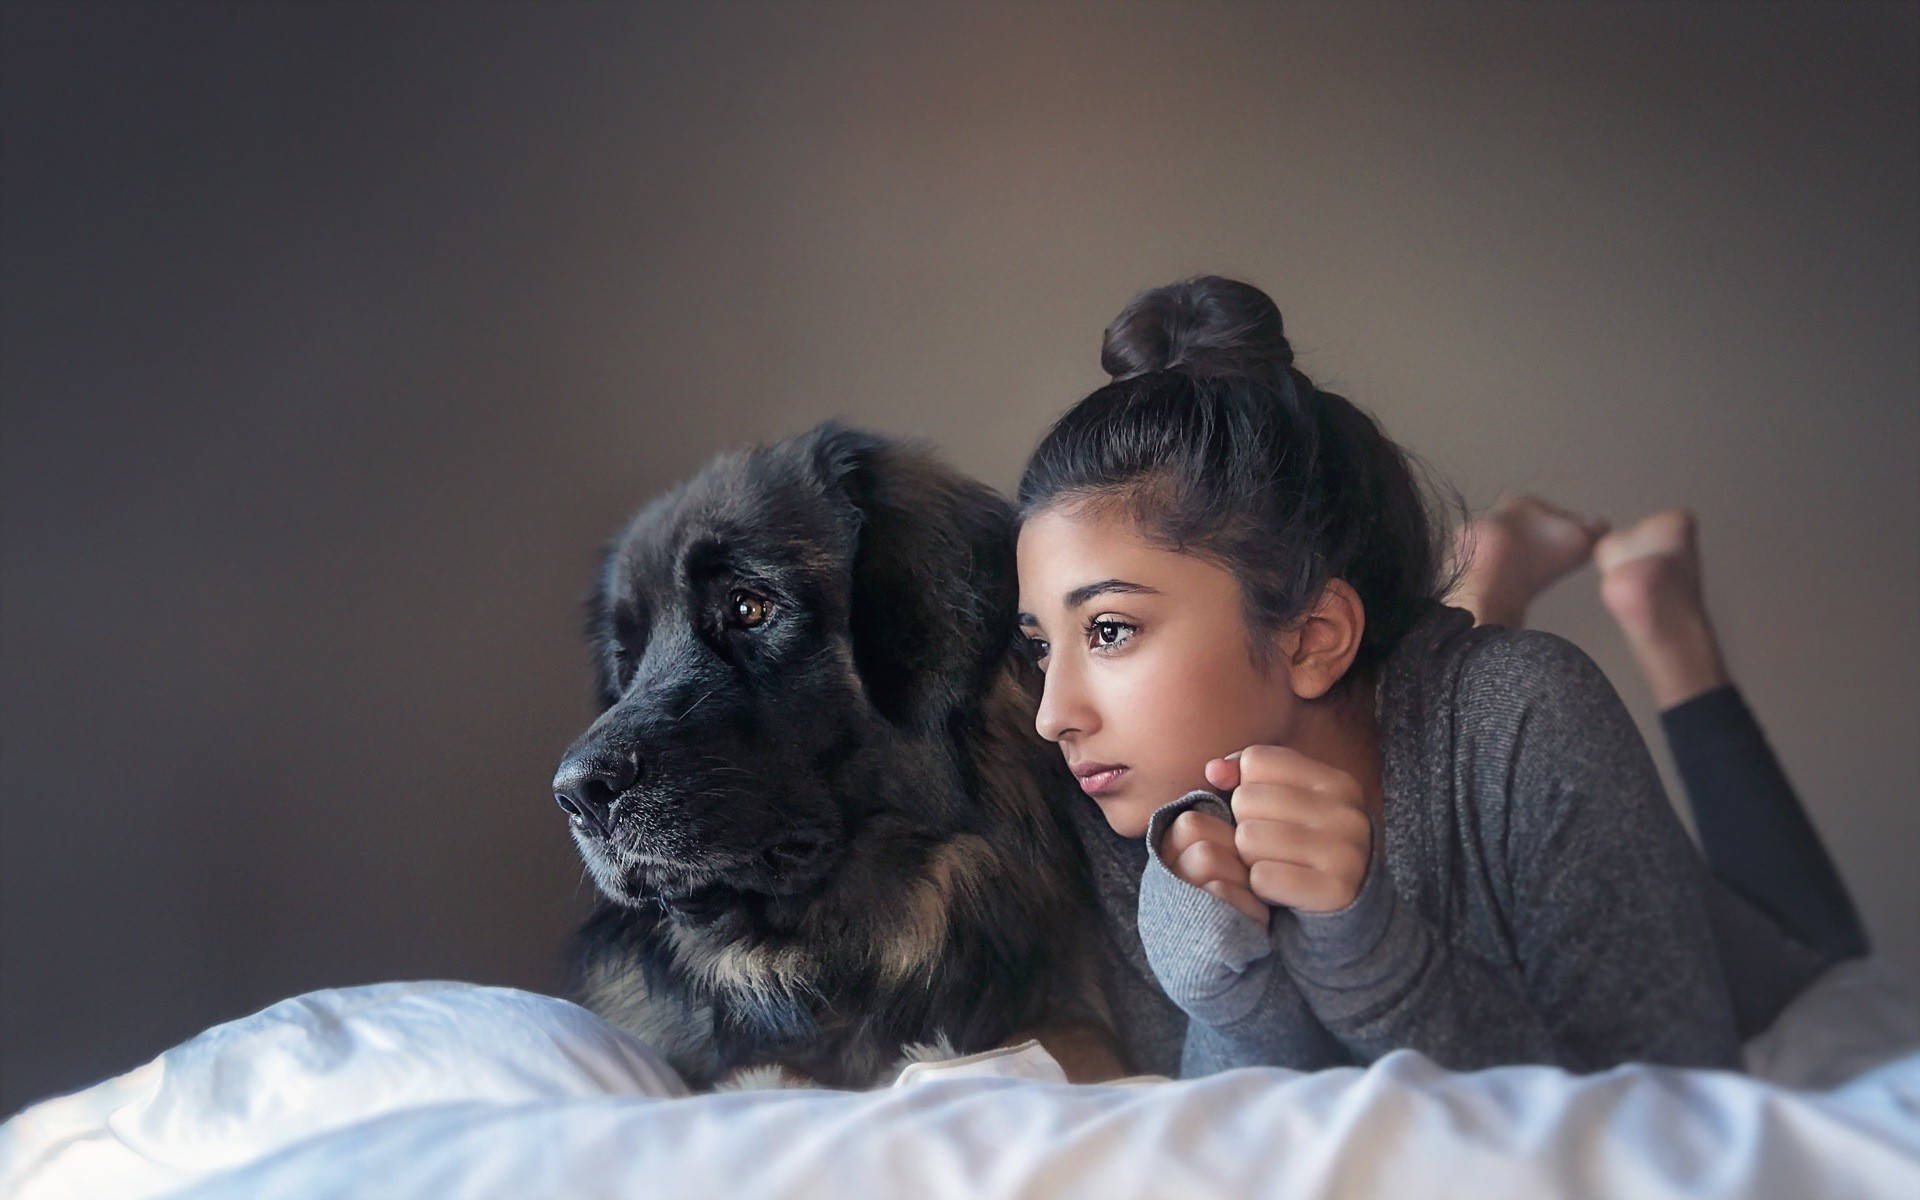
x: 932, y: 577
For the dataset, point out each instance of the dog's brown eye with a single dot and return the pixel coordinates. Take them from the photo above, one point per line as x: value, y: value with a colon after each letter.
x: 747, y: 610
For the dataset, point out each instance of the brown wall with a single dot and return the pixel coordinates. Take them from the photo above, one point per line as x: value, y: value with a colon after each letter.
x: 336, y: 338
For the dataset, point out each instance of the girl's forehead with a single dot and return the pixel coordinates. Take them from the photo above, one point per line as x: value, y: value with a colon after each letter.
x: 1064, y: 550
x: 1059, y: 542
x: 1082, y: 525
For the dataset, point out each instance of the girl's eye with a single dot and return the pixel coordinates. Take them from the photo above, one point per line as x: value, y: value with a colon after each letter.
x: 745, y: 610
x: 1107, y: 634
x: 1036, y: 650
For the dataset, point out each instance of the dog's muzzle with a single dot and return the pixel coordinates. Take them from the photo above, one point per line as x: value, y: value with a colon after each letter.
x: 587, y: 786
x: 590, y: 785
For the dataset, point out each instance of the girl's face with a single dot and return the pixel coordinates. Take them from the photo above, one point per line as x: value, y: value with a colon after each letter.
x: 1147, y: 659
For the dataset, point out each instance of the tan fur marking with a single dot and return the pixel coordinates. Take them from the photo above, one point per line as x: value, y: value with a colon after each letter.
x: 913, y: 945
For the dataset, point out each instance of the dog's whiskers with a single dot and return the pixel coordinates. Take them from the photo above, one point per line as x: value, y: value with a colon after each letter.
x: 721, y: 764
x: 696, y: 704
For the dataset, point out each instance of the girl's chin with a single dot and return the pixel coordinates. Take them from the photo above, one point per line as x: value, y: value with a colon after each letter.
x: 1126, y: 816
x: 1129, y: 807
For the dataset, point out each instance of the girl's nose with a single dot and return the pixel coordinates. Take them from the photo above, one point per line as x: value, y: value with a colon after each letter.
x: 1063, y: 708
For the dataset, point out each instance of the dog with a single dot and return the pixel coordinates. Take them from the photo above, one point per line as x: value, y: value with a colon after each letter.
x: 821, y: 825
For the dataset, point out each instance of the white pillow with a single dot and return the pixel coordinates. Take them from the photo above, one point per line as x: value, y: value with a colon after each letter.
x: 313, y: 1064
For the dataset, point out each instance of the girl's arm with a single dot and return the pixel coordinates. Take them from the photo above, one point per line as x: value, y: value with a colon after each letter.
x: 1601, y: 893
x: 1311, y: 990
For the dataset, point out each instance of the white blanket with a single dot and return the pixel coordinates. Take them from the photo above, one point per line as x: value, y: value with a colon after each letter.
x: 454, y: 1090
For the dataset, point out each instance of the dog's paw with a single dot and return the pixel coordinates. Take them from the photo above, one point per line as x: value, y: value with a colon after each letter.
x: 940, y: 1049
x: 763, y: 1077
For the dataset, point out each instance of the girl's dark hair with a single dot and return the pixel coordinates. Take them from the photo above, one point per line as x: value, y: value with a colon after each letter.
x: 1215, y: 444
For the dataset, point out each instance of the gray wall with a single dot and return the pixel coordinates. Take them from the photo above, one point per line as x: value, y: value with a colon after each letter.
x: 337, y: 338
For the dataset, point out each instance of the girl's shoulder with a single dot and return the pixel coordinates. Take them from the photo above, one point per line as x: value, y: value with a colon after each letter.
x: 1540, y: 704
x: 1527, y: 664
x: 1505, y: 735
x: 1448, y: 663
x: 1453, y: 683
x: 1522, y: 728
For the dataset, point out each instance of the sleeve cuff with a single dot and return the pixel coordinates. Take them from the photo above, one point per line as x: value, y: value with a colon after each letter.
x: 1210, y: 958
x: 1333, y: 949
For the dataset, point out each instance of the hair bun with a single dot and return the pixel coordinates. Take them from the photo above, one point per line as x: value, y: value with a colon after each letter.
x: 1205, y: 327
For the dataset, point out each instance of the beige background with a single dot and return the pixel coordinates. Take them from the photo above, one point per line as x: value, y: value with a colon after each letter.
x: 336, y: 338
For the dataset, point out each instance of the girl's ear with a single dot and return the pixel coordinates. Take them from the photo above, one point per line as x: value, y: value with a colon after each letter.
x: 1320, y: 646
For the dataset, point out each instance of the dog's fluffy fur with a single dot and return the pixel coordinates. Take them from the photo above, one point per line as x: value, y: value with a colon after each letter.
x: 835, y: 833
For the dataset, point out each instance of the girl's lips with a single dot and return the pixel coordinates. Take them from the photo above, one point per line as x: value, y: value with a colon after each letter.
x: 1102, y: 781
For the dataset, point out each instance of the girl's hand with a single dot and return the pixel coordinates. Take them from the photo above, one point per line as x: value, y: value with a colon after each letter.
x: 1198, y: 847
x: 1302, y: 831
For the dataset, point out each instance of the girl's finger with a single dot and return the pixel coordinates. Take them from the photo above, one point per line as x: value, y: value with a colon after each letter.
x: 1279, y: 841
x: 1209, y: 862
x: 1241, y: 898
x: 1290, y: 885
x: 1189, y: 828
x: 1283, y: 764
x: 1315, y: 810
x: 1276, y: 802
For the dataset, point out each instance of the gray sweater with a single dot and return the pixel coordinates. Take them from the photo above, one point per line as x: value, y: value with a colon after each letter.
x: 1532, y: 897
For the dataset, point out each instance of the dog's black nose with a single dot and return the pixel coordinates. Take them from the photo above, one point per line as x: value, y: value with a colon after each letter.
x: 587, y: 786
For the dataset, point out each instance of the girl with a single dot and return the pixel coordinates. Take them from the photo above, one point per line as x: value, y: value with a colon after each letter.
x: 1436, y: 836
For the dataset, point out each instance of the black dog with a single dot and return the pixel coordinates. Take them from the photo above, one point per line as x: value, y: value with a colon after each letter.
x: 814, y: 802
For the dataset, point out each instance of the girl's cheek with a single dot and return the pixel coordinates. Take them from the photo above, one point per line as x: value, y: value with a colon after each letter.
x: 1129, y: 689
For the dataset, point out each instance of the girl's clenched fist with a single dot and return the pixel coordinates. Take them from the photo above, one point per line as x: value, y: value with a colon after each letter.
x: 1302, y: 838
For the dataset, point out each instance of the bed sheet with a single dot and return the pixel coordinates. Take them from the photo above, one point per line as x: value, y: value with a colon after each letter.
x: 456, y: 1090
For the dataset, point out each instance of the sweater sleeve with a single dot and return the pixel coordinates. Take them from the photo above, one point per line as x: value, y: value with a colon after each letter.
x: 1380, y: 977
x: 1210, y: 958
x: 1604, y: 897
x: 1219, y: 966
x: 1375, y: 975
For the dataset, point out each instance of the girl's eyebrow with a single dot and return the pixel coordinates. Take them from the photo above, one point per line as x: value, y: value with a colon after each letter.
x: 1081, y: 595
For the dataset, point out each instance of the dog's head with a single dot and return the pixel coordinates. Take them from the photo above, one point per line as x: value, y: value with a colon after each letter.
x: 782, y: 645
